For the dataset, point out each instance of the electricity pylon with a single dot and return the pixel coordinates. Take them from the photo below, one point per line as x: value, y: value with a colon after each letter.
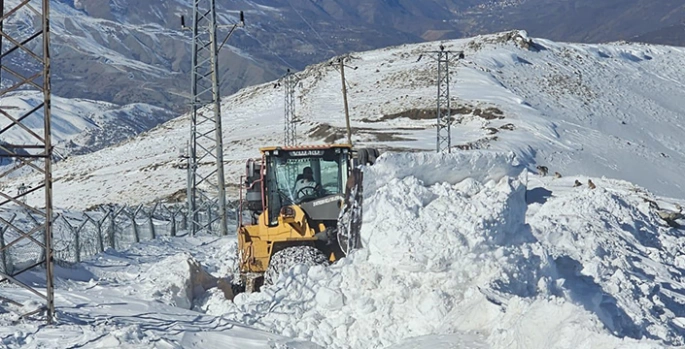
x: 444, y: 110
x: 289, y: 129
x: 206, y: 141
x: 25, y: 65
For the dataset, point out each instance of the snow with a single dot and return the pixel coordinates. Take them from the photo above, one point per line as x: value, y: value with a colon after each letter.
x: 465, y: 250
x: 138, y: 298
x: 76, y: 123
x: 449, y: 341
x: 599, y: 110
x: 497, y: 259
x: 466, y: 258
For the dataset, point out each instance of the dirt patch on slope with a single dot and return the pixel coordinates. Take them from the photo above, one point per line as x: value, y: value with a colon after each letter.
x: 332, y: 134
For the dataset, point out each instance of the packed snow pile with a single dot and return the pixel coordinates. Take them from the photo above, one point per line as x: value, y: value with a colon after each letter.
x: 486, y: 260
x: 433, y: 168
x: 426, y: 229
x: 613, y: 257
x: 177, y: 280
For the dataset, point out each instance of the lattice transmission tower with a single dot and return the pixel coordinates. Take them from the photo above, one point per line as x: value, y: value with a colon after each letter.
x: 206, y: 142
x: 289, y: 129
x: 26, y: 214
x: 444, y: 109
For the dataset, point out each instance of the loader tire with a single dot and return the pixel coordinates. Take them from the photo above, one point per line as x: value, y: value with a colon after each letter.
x: 289, y: 257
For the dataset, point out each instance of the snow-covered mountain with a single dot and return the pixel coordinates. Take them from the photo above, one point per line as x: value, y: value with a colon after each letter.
x: 609, y: 110
x: 463, y: 250
x: 78, y: 125
x: 102, y: 48
x: 109, y: 58
x: 133, y: 52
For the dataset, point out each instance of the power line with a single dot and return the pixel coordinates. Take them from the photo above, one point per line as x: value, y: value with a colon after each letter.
x: 273, y: 52
x: 314, y: 30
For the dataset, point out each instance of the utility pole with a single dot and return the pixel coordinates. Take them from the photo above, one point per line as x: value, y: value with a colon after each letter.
x: 341, y: 64
x: 347, y: 110
x: 27, y: 62
x: 289, y: 126
x: 444, y: 109
x: 206, y: 140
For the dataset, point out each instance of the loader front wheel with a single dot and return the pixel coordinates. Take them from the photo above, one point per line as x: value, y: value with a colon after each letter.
x: 291, y: 256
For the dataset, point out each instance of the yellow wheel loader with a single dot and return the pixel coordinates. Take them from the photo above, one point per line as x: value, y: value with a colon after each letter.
x: 299, y: 205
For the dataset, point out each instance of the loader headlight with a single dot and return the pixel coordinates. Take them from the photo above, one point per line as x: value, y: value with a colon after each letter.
x: 288, y: 212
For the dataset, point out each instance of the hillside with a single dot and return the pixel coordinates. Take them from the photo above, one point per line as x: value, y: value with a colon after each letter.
x: 585, y: 21
x: 79, y: 125
x: 600, y: 110
x: 100, y: 58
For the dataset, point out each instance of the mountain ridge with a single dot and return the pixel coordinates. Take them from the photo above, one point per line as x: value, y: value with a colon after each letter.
x: 572, y: 107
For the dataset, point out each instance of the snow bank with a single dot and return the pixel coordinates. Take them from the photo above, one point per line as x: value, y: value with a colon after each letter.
x: 613, y: 257
x: 178, y: 280
x: 446, y: 253
x: 431, y: 168
x: 134, y: 299
x: 416, y: 216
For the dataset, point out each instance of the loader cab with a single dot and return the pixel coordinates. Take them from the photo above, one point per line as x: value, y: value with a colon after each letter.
x: 329, y: 166
x: 283, y: 220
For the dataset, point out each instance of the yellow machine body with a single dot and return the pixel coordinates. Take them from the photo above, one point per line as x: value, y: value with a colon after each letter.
x: 256, y: 242
x: 269, y: 231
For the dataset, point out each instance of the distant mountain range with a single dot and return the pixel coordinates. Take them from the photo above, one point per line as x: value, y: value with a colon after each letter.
x: 134, y: 51
x: 673, y: 35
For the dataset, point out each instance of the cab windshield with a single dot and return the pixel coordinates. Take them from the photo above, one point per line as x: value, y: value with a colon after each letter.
x: 327, y: 177
x: 298, y: 176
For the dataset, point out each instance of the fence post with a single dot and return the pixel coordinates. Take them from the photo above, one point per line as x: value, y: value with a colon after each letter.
x: 184, y: 220
x: 171, y: 213
x: 110, y: 232
x: 41, y: 257
x: 78, y: 234
x: 209, y: 218
x: 77, y: 242
x: 101, y: 224
x: 151, y: 222
x: 95, y: 225
x: 115, y: 214
x: 176, y: 211
x: 101, y: 243
x: 132, y: 217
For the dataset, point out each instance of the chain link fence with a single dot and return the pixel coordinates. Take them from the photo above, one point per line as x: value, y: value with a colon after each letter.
x: 79, y: 235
